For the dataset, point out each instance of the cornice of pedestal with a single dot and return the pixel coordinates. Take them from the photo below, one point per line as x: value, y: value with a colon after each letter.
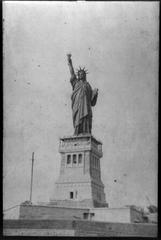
x: 81, y: 136
x: 78, y: 143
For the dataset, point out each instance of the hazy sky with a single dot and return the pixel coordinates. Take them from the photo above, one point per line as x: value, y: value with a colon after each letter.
x: 118, y: 43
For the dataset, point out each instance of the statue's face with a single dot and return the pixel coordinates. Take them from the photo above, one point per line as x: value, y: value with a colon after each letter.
x: 82, y: 75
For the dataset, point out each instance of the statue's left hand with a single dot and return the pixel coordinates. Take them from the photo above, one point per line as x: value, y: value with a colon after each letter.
x: 69, y: 56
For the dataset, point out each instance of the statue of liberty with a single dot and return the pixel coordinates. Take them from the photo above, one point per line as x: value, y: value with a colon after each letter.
x: 83, y: 99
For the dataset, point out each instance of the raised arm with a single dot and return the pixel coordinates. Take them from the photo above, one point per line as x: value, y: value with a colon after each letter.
x: 70, y: 65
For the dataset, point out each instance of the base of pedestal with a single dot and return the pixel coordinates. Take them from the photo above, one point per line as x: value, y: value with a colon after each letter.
x: 102, y: 214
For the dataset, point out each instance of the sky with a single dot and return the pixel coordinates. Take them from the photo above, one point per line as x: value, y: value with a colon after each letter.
x: 118, y: 43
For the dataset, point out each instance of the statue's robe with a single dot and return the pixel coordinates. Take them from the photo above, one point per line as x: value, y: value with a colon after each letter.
x: 83, y: 98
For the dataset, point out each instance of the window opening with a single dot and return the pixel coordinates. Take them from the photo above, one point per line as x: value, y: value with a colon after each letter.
x: 85, y: 215
x: 68, y: 159
x: 71, y: 195
x: 74, y: 159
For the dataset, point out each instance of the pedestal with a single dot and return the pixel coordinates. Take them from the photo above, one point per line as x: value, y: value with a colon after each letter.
x: 79, y: 183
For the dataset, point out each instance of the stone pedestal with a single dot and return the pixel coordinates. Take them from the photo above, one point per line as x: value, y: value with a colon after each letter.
x: 79, y: 183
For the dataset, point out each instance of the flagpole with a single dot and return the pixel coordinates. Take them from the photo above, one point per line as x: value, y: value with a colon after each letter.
x: 31, y: 177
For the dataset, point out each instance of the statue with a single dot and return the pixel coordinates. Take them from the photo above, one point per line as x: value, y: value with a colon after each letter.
x: 83, y: 99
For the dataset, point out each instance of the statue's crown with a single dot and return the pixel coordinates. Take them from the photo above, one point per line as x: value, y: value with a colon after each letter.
x: 81, y: 70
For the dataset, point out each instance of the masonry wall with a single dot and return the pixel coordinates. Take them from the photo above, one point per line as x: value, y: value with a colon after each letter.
x: 77, y: 228
x: 63, y: 190
x: 86, y: 203
x: 111, y: 215
x: 47, y: 212
x: 64, y: 210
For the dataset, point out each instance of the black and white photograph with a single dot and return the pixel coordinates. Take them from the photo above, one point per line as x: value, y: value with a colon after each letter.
x: 80, y: 118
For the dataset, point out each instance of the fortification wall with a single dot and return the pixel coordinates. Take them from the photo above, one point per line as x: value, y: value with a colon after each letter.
x: 77, y: 228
